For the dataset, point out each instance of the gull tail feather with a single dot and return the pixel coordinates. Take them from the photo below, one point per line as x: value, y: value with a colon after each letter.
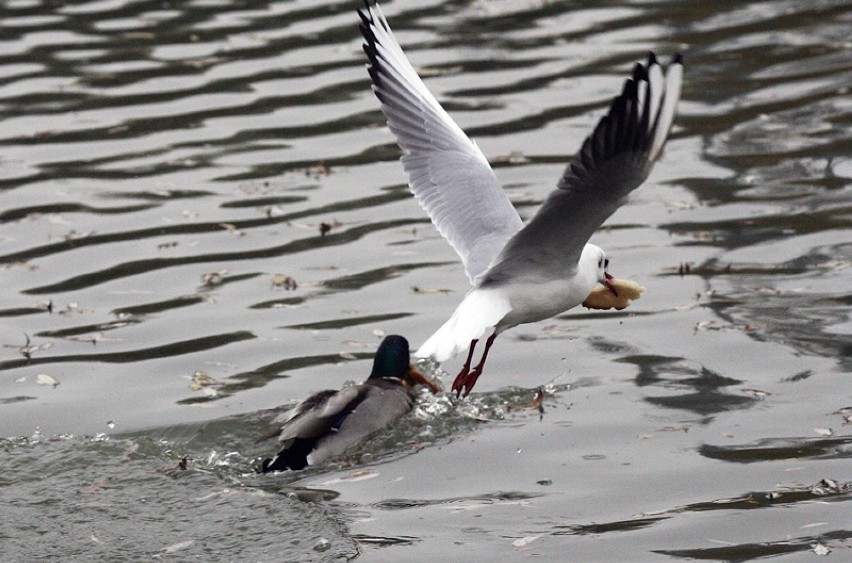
x: 480, y: 311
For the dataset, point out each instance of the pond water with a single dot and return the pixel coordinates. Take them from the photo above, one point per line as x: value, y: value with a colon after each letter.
x: 203, y: 219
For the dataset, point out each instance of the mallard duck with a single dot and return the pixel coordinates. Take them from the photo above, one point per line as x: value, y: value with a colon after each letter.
x: 330, y: 423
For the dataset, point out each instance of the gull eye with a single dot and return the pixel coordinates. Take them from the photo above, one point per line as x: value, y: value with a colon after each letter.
x: 606, y: 263
x: 600, y: 262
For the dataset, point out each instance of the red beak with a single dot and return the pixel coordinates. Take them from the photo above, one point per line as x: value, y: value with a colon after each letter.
x: 608, y: 285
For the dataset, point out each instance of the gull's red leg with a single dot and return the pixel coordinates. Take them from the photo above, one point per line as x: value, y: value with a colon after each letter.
x: 458, y: 383
x: 467, y: 378
x: 471, y: 378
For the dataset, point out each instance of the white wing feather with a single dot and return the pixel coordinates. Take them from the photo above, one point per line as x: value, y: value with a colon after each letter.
x: 447, y: 172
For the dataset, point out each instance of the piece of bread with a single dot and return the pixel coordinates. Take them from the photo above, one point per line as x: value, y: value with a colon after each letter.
x: 602, y: 298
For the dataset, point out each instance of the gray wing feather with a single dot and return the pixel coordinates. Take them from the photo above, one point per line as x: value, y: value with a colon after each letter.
x: 447, y: 172
x: 613, y: 161
x: 340, y: 402
x: 379, y: 406
x: 317, y: 414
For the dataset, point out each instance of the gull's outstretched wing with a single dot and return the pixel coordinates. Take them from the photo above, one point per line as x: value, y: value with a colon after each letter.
x: 614, y: 160
x: 447, y: 172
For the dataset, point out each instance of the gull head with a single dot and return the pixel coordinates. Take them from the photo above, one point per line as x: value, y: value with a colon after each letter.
x: 597, y: 256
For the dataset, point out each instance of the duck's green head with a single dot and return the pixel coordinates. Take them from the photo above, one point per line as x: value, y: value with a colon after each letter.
x: 393, y: 360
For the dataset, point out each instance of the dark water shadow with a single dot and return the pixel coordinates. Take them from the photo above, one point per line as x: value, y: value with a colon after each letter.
x: 696, y: 389
x: 781, y: 449
x: 177, y: 348
x: 760, y: 550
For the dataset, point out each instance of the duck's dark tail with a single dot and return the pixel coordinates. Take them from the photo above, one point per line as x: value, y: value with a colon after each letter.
x: 293, y: 457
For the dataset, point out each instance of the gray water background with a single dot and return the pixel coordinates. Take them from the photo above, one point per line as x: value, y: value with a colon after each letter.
x: 164, y: 167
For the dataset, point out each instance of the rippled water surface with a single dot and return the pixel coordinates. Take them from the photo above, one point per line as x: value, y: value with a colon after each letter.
x: 203, y: 219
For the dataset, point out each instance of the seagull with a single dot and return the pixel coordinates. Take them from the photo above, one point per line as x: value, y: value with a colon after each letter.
x: 329, y: 423
x: 518, y: 273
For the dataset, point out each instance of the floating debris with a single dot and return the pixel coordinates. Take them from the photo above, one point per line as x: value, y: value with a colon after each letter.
x: 683, y: 429
x: 713, y: 325
x: 679, y: 204
x: 71, y: 309
x: 830, y: 487
x: 44, y: 379
x: 429, y: 290
x: 430, y: 71
x: 287, y: 282
x: 514, y: 157
x: 182, y: 465
x: 536, y: 403
x: 200, y: 381
x: 319, y: 169
x: 212, y: 279
x: 820, y: 549
x: 825, y: 432
x: 846, y: 413
x: 19, y: 264
x: 94, y: 338
x: 28, y: 349
x: 325, y: 228
x: 522, y: 542
x: 231, y: 228
x: 74, y: 235
x: 757, y: 393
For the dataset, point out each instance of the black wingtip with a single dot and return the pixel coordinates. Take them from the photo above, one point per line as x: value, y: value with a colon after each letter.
x: 366, y: 16
x: 627, y: 126
x: 639, y: 72
x: 370, y: 41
